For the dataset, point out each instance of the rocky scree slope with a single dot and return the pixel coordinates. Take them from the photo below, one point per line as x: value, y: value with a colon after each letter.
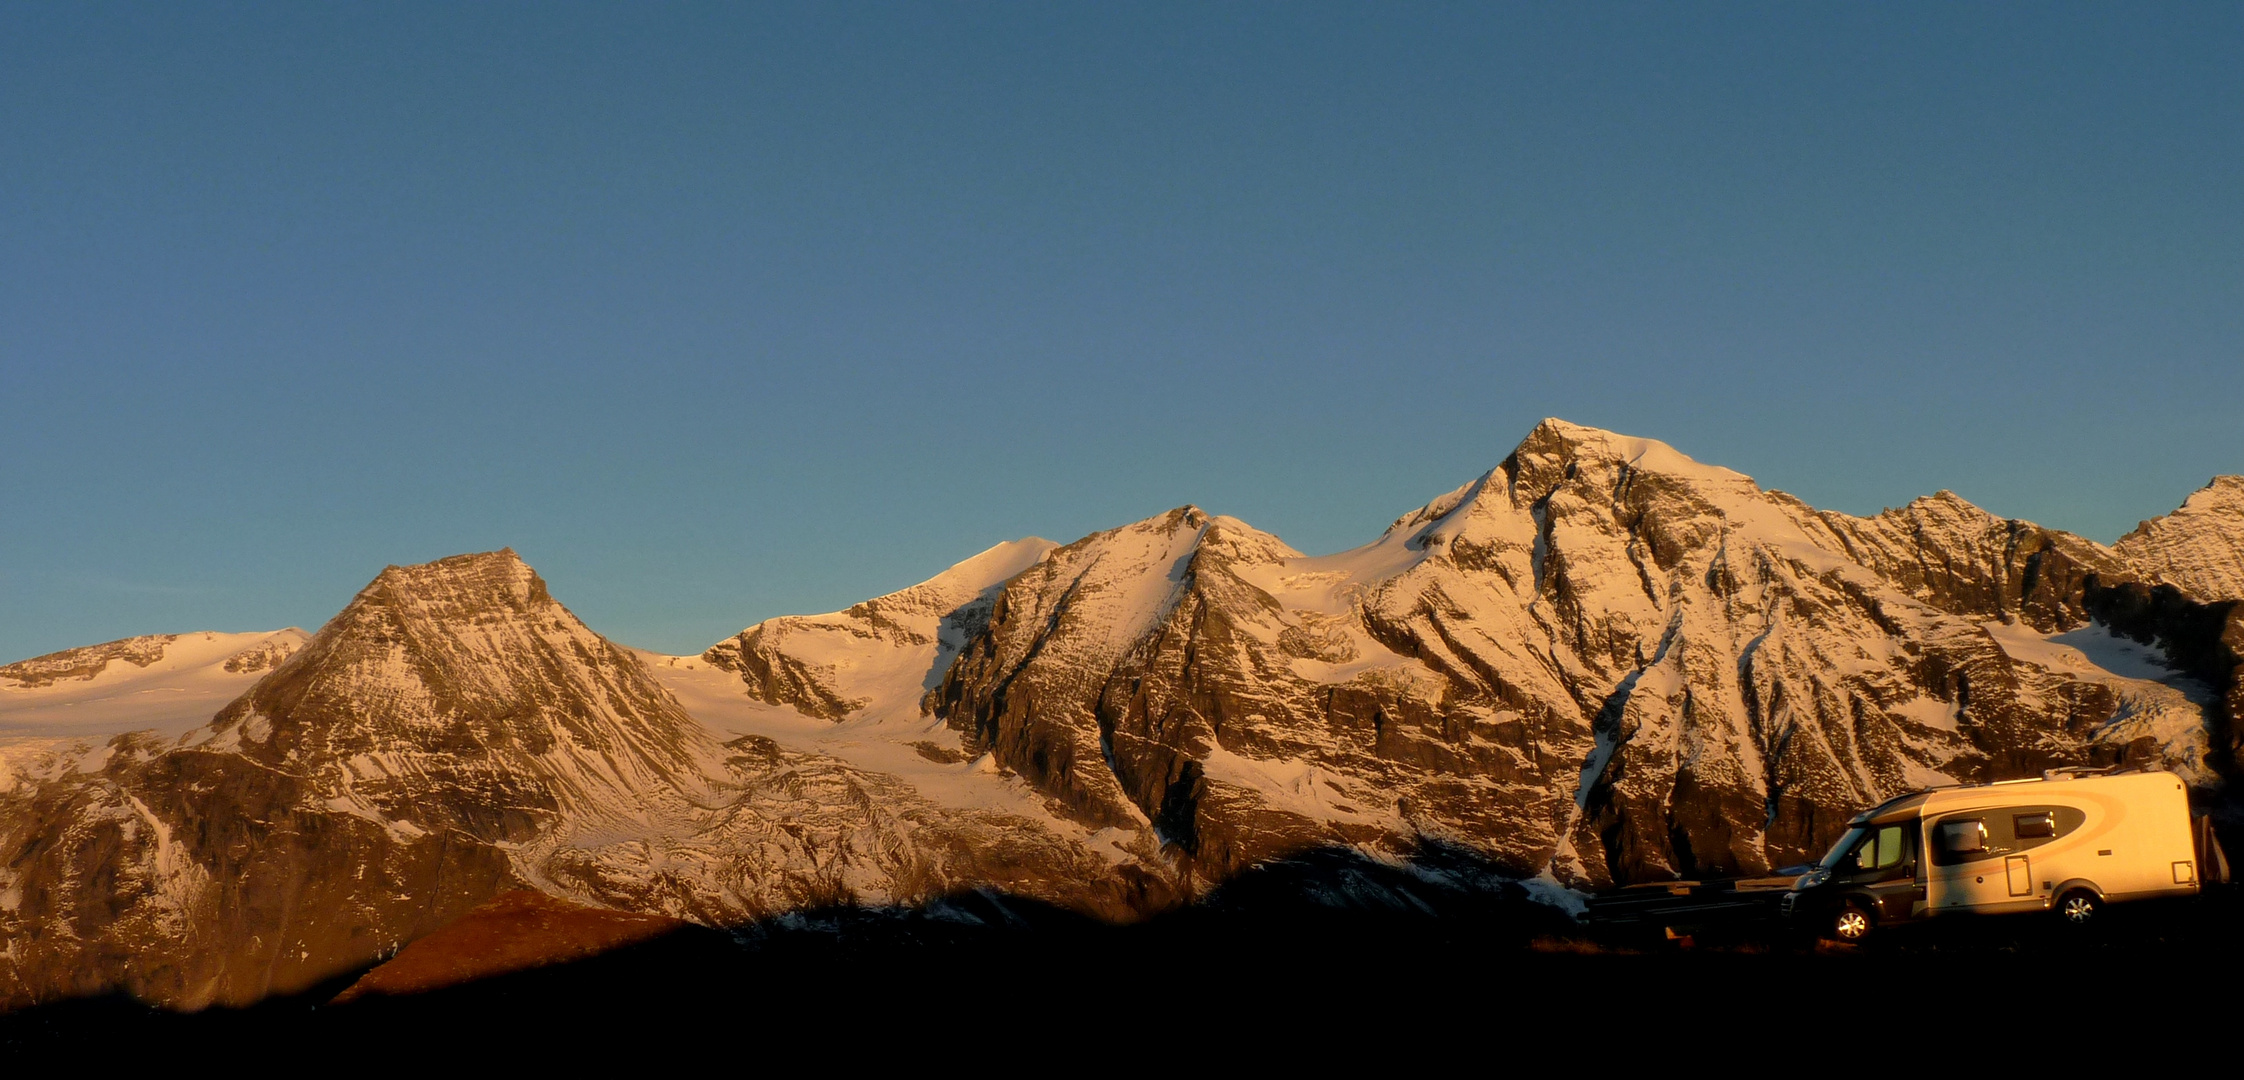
x: 1601, y: 659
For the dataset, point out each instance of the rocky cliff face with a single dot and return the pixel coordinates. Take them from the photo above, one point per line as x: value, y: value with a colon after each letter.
x: 2190, y: 599
x: 2198, y: 549
x: 1600, y: 658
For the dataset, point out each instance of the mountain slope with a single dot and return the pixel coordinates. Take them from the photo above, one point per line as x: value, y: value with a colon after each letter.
x: 888, y: 649
x: 364, y: 792
x: 464, y: 675
x: 2199, y: 548
x: 452, y: 734
x: 164, y: 682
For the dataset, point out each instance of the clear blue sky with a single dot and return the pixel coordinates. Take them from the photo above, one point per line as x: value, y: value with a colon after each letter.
x: 722, y: 312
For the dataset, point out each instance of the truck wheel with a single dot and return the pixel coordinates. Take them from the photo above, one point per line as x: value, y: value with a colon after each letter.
x: 2080, y: 909
x: 1851, y: 924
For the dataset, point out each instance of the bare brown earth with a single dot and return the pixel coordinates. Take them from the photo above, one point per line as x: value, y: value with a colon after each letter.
x: 514, y: 931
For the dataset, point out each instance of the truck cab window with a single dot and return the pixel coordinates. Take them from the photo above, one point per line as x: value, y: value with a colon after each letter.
x: 1882, y: 849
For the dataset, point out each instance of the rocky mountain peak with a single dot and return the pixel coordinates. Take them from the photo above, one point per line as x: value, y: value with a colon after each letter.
x: 1641, y: 664
x: 465, y: 672
x: 1600, y: 660
x: 2198, y: 548
x: 1556, y: 451
x: 414, y: 757
x: 463, y: 586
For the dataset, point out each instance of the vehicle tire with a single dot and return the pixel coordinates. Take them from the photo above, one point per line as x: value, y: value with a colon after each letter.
x: 1852, y: 924
x: 2080, y: 909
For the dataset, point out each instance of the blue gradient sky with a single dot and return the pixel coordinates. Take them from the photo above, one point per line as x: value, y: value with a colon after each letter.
x: 717, y: 313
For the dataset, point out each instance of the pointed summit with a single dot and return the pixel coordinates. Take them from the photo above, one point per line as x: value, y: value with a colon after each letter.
x: 1558, y: 446
x: 464, y: 673
x: 2198, y: 548
x: 451, y: 720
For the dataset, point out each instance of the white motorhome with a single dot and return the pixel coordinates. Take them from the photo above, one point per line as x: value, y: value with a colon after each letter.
x: 2069, y: 842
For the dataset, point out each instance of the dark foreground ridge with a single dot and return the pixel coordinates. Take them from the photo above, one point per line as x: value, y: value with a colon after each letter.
x: 1329, y: 952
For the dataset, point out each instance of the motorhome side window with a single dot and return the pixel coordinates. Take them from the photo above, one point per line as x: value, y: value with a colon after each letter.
x: 1961, y: 839
x: 2033, y: 826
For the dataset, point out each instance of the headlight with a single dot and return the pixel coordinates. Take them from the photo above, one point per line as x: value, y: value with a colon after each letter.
x: 1812, y: 878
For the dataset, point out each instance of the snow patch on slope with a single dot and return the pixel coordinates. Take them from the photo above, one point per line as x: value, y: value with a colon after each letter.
x: 2156, y: 701
x: 195, y: 675
x: 888, y: 737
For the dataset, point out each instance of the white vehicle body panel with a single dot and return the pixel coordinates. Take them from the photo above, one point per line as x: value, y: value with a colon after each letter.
x: 2122, y: 837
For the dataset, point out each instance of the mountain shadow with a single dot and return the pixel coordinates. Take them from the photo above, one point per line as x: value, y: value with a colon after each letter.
x: 1330, y: 953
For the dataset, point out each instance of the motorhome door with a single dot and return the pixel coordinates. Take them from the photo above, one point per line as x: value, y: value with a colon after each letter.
x: 1967, y: 870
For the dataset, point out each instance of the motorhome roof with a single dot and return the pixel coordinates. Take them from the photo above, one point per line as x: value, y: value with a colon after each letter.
x: 1903, y: 804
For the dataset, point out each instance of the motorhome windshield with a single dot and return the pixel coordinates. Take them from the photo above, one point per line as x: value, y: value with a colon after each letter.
x: 1839, y: 850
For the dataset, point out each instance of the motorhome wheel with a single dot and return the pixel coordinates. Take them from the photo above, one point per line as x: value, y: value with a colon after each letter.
x: 1852, y: 924
x: 2080, y: 908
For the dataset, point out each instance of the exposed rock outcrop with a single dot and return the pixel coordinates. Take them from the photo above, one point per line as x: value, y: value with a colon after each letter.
x: 2198, y: 549
x: 85, y: 662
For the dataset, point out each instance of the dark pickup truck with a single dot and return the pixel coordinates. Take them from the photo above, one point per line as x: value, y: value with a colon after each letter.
x: 1684, y: 909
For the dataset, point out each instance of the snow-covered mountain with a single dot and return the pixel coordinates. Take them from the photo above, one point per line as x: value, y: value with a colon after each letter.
x: 452, y: 734
x: 1599, y: 661
x: 886, y: 651
x: 164, y: 682
x: 2197, y: 548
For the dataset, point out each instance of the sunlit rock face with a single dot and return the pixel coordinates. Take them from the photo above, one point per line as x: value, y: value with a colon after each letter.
x: 2198, y: 549
x: 2190, y: 597
x: 370, y: 788
x: 1601, y: 658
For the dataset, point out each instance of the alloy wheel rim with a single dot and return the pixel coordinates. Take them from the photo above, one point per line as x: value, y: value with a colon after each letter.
x: 1853, y: 925
x: 2079, y: 910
